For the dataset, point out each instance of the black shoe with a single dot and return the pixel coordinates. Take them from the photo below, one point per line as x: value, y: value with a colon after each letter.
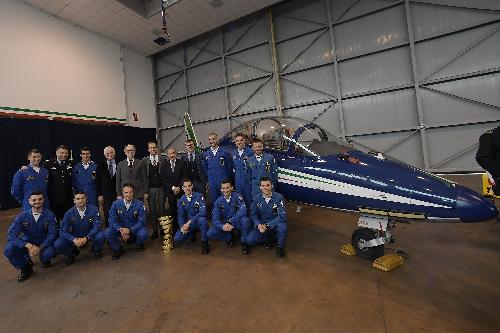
x: 26, y: 272
x: 117, y: 254
x: 280, y: 252
x: 70, y: 260
x: 154, y: 235
x: 245, y: 249
x: 140, y: 248
x: 46, y: 264
x: 97, y: 254
x: 268, y: 245
x: 230, y: 243
x: 193, y: 238
x: 204, y: 248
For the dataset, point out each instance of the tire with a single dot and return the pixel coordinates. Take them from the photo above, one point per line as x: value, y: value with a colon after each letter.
x: 365, y: 234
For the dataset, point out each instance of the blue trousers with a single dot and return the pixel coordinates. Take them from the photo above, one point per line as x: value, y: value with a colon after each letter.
x: 256, y: 237
x: 200, y: 225
x: 246, y: 192
x: 66, y: 247
x: 113, y: 237
x: 19, y: 257
x: 242, y: 224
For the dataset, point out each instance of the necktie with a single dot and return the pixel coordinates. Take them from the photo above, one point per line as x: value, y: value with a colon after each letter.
x: 130, y: 163
x: 172, y: 165
x: 110, y: 169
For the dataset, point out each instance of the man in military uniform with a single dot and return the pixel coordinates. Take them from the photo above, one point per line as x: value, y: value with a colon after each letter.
x: 60, y: 183
x: 229, y: 215
x: 30, y: 179
x: 217, y: 163
x: 80, y: 224
x: 240, y: 167
x: 261, y: 165
x: 84, y: 176
x: 269, y: 218
x: 127, y: 219
x: 31, y: 234
x: 488, y: 156
x: 191, y: 214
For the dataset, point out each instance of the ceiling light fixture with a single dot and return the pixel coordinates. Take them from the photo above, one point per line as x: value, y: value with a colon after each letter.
x: 162, y: 40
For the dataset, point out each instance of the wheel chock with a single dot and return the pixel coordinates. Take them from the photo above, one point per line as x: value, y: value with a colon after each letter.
x: 348, y: 250
x: 388, y: 262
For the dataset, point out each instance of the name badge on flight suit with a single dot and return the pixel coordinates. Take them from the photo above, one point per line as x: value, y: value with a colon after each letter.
x: 136, y: 214
x: 275, y: 209
x: 91, y: 221
x: 259, y: 204
x: 221, y: 161
x: 268, y: 167
x: 30, y: 178
x: 119, y: 211
x: 25, y: 223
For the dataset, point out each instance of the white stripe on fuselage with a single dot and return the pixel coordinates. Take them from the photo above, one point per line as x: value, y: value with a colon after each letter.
x: 328, y: 185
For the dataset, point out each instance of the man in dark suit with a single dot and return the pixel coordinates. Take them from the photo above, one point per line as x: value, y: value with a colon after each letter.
x: 106, y: 182
x: 129, y: 171
x: 154, y: 187
x: 195, y: 170
x: 172, y: 172
x: 60, y: 186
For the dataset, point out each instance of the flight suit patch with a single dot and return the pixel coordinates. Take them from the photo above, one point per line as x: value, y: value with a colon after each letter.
x: 119, y: 211
x: 30, y: 178
x: 136, y: 214
x: 93, y: 175
x: 221, y: 161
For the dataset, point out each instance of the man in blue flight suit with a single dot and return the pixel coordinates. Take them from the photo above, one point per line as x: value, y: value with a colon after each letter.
x: 261, y: 165
x: 240, y: 167
x: 30, y: 179
x: 191, y: 210
x: 31, y: 234
x: 269, y: 218
x: 80, y: 225
x: 230, y: 214
x: 127, y: 219
x: 84, y: 177
x: 217, y: 163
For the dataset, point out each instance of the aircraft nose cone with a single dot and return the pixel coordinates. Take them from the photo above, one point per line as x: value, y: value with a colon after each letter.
x: 472, y: 207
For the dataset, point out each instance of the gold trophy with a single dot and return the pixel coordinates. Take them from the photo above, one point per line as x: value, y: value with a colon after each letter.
x: 166, y: 223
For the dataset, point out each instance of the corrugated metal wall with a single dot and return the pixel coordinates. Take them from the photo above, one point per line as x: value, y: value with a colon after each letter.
x: 417, y: 80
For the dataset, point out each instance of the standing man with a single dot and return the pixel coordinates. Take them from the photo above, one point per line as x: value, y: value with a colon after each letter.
x: 229, y: 215
x: 240, y: 167
x: 80, y: 224
x: 156, y: 194
x: 217, y: 164
x: 172, y: 172
x: 269, y: 218
x: 261, y: 165
x: 129, y: 171
x: 488, y: 156
x: 84, y: 176
x: 31, y: 234
x: 60, y: 183
x: 127, y: 220
x: 30, y: 179
x: 106, y: 181
x: 192, y: 216
x: 195, y: 170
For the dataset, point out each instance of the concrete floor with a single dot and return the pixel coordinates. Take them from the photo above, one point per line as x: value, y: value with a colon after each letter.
x: 449, y: 283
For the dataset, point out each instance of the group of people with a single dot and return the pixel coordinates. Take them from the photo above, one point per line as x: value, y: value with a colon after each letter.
x: 60, y: 201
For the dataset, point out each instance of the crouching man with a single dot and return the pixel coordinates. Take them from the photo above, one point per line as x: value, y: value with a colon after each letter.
x: 191, y: 215
x: 31, y: 234
x: 127, y: 219
x: 230, y: 215
x: 269, y: 218
x: 80, y: 225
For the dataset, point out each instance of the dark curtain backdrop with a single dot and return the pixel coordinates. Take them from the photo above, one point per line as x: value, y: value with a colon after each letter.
x: 17, y: 136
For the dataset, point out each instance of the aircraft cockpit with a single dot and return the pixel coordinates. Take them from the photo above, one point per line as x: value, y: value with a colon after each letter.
x: 292, y: 136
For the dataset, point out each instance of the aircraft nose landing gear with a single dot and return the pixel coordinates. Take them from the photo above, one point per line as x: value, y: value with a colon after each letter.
x: 368, y: 241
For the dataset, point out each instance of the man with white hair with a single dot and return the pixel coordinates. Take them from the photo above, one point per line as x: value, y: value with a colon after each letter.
x: 106, y: 181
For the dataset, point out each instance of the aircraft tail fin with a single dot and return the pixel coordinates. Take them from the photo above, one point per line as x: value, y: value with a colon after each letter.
x: 188, y: 126
x: 488, y: 183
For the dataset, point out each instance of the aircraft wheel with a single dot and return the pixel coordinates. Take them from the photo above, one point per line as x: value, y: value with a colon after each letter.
x: 364, y: 235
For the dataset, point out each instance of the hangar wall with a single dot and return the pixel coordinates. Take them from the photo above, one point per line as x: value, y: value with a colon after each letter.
x: 51, y: 68
x: 417, y: 80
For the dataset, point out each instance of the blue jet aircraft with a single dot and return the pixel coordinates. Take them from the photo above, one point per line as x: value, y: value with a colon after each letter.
x: 320, y: 169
